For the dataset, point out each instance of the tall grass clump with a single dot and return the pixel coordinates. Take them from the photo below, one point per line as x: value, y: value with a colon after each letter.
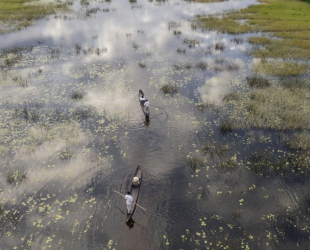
x: 213, y: 149
x: 77, y: 96
x: 8, y: 218
x: 15, y: 177
x: 230, y: 163
x: 191, y: 43
x: 226, y: 127
x: 257, y: 82
x: 194, y: 161
x: 169, y: 88
x: 299, y: 140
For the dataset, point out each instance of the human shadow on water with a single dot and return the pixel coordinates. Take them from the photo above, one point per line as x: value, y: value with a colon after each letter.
x: 147, y: 120
x: 130, y: 223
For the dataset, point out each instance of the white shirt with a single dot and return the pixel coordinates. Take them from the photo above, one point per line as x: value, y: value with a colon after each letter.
x: 128, y: 199
x: 147, y: 103
x: 142, y: 99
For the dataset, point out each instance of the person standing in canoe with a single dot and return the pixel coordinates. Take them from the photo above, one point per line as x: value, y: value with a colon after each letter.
x: 129, y: 200
x: 146, y: 103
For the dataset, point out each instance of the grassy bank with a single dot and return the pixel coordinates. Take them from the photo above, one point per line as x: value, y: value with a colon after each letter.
x: 17, y: 14
x: 288, y: 21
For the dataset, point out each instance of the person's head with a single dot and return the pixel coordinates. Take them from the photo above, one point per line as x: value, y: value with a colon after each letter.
x: 128, y: 192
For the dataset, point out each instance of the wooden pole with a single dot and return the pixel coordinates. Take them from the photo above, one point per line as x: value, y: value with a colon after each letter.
x: 133, y: 201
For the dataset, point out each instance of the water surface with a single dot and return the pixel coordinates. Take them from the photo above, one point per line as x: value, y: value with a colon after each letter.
x: 71, y: 121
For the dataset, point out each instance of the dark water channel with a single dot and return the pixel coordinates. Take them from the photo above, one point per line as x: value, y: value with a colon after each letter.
x: 72, y: 131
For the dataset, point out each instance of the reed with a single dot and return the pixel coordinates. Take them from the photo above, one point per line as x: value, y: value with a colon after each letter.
x: 195, y: 161
x: 237, y: 40
x: 232, y: 96
x: 15, y: 177
x: 66, y: 155
x: 232, y: 67
x: 299, y: 140
x: 83, y: 113
x: 142, y: 65
x: 191, y: 43
x: 78, y: 49
x: 181, y: 51
x: 259, y: 40
x: 258, y: 82
x: 169, y: 88
x: 219, y: 47
x: 77, y: 96
x: 229, y: 164
x: 226, y: 127
x: 177, y: 32
x: 281, y: 68
x: 213, y: 149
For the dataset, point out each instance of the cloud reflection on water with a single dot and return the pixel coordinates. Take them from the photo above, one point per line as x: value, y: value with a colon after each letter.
x: 110, y: 82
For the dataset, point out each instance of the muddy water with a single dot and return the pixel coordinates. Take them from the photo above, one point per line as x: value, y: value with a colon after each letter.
x: 72, y: 124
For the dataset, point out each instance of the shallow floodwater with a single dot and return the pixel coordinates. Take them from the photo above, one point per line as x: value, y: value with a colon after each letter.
x: 72, y: 124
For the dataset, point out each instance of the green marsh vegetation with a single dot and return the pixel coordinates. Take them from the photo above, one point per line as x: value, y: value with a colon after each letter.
x: 285, y: 20
x: 15, y: 177
x: 77, y: 96
x: 169, y: 88
x: 274, y: 107
x: 18, y: 14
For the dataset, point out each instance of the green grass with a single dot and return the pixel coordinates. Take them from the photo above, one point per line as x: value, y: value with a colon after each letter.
x: 278, y: 108
x: 16, y: 14
x: 287, y: 20
x: 281, y: 68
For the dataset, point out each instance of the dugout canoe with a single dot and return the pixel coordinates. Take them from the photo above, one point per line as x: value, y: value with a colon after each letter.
x: 145, y: 110
x: 134, y: 191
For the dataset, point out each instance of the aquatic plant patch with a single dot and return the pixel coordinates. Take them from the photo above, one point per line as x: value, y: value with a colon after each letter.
x: 276, y: 108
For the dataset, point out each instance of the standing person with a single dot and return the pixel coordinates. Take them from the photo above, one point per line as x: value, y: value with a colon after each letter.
x: 129, y: 200
x: 146, y: 103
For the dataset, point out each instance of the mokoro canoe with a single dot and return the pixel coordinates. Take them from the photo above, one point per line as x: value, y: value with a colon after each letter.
x: 134, y: 192
x: 145, y: 110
